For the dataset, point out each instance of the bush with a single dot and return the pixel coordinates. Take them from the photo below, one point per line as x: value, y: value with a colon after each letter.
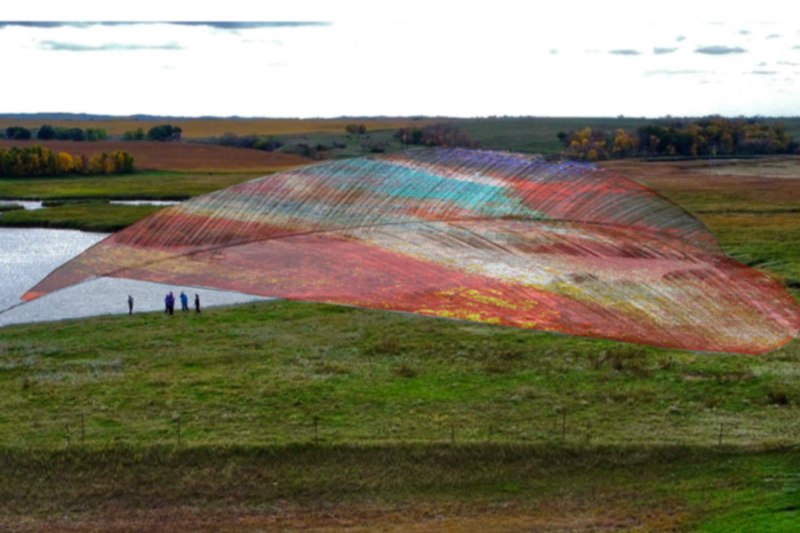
x: 134, y: 135
x: 355, y: 129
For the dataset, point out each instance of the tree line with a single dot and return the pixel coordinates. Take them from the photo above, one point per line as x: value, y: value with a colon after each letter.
x: 36, y: 160
x: 445, y: 135
x: 46, y: 132
x: 162, y: 133
x: 709, y: 136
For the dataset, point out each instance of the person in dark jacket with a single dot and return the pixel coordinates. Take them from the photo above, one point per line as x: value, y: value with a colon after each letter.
x: 171, y: 303
x: 197, y: 303
x: 130, y: 304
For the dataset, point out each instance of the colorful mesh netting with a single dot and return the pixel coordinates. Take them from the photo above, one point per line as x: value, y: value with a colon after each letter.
x: 485, y: 236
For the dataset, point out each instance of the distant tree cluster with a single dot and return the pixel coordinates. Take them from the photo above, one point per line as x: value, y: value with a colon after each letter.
x: 164, y: 133
x: 355, y: 129
x: 18, y: 133
x: 134, y: 135
x: 38, y: 161
x: 708, y: 136
x: 267, y: 144
x: 47, y: 133
x: 446, y: 135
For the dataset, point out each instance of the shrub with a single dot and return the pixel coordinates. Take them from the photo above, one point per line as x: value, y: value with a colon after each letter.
x: 134, y: 135
x: 777, y: 397
x: 356, y: 129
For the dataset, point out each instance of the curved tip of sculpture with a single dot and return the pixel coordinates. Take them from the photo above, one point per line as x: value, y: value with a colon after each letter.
x: 31, y: 295
x: 492, y: 237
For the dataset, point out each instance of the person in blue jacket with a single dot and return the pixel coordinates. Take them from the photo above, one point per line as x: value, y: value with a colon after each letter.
x: 184, y: 302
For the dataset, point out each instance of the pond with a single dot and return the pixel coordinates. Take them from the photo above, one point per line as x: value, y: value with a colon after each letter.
x: 28, y: 255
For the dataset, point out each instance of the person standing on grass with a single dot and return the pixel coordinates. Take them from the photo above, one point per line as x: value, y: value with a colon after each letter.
x: 196, y: 303
x: 166, y: 304
x: 130, y: 304
x: 171, y: 303
x: 184, y: 302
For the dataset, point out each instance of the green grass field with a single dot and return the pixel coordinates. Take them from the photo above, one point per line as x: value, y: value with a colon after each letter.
x: 307, y: 417
x: 139, y: 186
x: 314, y: 403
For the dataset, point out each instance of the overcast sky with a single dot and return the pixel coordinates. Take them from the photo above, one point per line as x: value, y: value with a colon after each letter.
x: 400, y: 58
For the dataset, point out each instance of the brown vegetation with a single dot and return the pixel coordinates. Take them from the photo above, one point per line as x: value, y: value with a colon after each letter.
x: 177, y: 156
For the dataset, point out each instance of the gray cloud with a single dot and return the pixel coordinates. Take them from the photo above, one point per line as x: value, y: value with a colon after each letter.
x: 745, y: 32
x: 673, y: 72
x: 72, y: 47
x: 773, y: 36
x: 659, y: 51
x: 624, y: 52
x: 719, y: 50
x: 217, y: 25
x: 680, y: 38
x: 764, y: 72
x: 762, y: 64
x: 553, y: 51
x: 795, y: 47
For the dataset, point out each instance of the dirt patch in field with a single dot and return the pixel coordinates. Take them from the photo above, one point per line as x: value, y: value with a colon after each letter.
x: 762, y: 181
x: 176, y: 156
x: 419, y: 517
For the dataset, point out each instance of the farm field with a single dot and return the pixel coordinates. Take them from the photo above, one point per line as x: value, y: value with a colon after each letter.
x: 179, y: 156
x: 297, y: 416
x: 198, y: 129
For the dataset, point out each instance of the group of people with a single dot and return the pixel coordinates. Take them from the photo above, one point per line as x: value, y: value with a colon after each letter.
x: 169, y: 303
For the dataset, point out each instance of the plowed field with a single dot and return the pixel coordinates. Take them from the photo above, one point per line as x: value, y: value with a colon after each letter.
x: 176, y: 156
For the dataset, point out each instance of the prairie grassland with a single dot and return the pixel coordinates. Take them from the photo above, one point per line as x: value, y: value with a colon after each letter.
x: 754, y: 214
x: 309, y: 417
x: 91, y: 216
x: 179, y: 156
x: 138, y: 186
x: 193, y: 129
